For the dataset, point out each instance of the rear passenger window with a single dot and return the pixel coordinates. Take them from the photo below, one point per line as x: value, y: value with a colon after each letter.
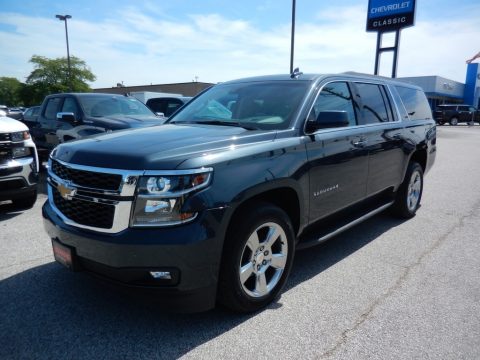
x: 374, y: 105
x: 415, y: 102
x: 52, y: 108
x: 334, y: 96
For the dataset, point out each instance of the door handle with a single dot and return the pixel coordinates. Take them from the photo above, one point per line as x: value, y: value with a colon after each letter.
x: 359, y: 143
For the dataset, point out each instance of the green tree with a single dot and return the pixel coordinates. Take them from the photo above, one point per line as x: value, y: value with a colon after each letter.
x: 10, y: 91
x: 50, y: 76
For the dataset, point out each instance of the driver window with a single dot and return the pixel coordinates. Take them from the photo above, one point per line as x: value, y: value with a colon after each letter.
x: 334, y: 96
x: 70, y: 105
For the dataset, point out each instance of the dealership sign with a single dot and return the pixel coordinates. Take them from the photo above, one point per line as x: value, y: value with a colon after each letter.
x: 390, y: 15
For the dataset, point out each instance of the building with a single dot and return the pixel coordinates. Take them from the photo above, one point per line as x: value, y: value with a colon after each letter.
x: 186, y: 89
x: 440, y: 90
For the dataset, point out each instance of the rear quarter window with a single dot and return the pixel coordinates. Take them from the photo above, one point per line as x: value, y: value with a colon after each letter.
x: 415, y: 103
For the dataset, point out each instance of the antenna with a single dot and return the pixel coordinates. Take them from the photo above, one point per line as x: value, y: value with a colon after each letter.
x: 296, y: 73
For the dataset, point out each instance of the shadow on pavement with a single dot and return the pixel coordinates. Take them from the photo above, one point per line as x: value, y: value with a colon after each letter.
x: 48, y: 312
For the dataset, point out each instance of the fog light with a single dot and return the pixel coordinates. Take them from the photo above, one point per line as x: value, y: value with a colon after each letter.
x: 163, y: 275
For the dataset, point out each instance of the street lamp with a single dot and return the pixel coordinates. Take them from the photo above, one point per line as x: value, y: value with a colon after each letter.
x: 292, y: 38
x: 65, y: 18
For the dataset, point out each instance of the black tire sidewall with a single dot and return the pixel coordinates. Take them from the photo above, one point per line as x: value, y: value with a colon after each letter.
x: 231, y: 293
x: 401, y: 202
x: 26, y: 202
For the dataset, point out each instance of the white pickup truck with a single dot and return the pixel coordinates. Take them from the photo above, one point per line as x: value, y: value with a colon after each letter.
x: 18, y: 164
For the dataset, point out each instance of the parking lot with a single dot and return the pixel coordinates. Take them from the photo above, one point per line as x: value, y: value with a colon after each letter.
x: 386, y: 289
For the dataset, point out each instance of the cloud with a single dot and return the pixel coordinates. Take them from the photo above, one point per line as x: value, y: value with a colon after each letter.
x: 142, y: 47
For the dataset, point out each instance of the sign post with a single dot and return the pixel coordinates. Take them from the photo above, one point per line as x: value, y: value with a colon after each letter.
x: 389, y: 16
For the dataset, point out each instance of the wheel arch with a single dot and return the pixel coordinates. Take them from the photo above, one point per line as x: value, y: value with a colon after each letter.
x: 284, y: 197
x: 420, y: 156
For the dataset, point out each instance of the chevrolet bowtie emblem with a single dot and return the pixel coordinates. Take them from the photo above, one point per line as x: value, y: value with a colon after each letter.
x: 66, y: 192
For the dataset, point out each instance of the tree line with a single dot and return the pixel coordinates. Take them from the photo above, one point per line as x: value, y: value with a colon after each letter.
x: 49, y: 76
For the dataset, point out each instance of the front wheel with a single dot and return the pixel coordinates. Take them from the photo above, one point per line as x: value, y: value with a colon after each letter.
x: 257, y: 259
x: 409, y: 194
x: 25, y: 202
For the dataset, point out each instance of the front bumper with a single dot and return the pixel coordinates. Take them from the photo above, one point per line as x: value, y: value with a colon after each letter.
x: 191, y: 252
x: 18, y: 178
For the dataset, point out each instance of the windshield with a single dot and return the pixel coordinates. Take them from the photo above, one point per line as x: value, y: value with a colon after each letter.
x: 255, y: 105
x: 99, y: 106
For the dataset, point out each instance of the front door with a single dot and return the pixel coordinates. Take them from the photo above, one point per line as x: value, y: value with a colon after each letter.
x: 338, y: 158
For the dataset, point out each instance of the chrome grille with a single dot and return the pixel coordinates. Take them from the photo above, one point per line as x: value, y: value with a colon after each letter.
x: 85, y: 212
x: 88, y: 179
x: 5, y: 137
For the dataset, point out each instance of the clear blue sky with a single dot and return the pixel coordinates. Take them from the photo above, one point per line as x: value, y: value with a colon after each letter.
x: 142, y: 42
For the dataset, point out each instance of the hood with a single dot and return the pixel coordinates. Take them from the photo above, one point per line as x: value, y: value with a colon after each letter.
x: 117, y: 122
x: 157, y: 148
x: 8, y: 125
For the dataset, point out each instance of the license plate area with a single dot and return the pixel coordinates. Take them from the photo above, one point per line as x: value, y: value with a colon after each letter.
x: 63, y: 254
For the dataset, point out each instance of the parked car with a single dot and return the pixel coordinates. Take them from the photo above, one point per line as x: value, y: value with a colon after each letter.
x: 455, y: 114
x: 211, y: 206
x: 15, y: 113
x: 166, y: 106
x: 30, y: 116
x: 18, y: 164
x: 3, y: 110
x: 70, y: 116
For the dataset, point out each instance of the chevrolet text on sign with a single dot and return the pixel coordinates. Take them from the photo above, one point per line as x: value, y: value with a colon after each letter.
x: 390, y: 15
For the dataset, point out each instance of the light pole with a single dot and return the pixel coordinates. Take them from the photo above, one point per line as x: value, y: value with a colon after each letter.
x: 65, y: 18
x: 292, y: 39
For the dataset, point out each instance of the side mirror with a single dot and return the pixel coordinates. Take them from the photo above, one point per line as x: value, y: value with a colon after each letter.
x: 67, y: 117
x: 328, y: 119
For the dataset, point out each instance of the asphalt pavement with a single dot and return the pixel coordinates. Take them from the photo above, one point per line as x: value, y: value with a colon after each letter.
x: 386, y: 289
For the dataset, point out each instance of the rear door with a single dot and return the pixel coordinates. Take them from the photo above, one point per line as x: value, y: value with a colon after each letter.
x: 384, y: 138
x: 338, y: 158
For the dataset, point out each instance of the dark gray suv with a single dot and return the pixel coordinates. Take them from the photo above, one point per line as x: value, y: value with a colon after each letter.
x: 455, y: 114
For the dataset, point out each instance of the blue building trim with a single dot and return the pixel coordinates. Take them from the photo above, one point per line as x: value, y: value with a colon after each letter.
x: 470, y: 82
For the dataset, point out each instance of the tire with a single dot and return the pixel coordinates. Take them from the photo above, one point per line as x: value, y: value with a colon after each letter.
x: 257, y: 259
x: 26, y: 202
x: 409, y: 194
x: 454, y: 121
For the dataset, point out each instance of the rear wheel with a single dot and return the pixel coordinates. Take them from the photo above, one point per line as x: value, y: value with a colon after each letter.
x: 257, y: 259
x: 454, y: 121
x: 409, y: 194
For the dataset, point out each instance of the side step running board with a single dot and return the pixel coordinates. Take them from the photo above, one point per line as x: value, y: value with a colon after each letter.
x: 309, y: 243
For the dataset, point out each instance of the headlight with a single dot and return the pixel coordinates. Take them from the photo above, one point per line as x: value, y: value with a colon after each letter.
x: 160, y: 198
x: 19, y: 152
x: 20, y: 136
